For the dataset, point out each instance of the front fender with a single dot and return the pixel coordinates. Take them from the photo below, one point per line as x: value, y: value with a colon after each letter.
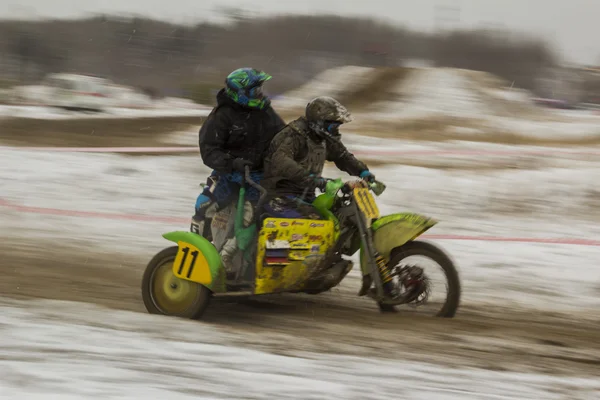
x: 393, y: 231
x: 209, y: 252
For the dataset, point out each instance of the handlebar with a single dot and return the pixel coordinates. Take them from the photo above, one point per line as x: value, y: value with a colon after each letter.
x: 377, y: 187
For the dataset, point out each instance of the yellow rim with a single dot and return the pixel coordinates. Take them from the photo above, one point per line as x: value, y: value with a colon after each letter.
x: 170, y: 294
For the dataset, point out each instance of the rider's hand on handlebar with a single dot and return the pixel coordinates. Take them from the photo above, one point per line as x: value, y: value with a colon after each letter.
x: 367, y: 176
x: 239, y: 164
x: 319, y: 182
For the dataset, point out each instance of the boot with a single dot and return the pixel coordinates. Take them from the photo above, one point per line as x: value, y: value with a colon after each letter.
x: 197, y: 226
x: 227, y: 253
x: 230, y: 248
x: 201, y: 227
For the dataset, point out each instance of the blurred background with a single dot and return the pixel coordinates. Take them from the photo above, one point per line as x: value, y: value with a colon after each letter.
x: 153, y: 50
x: 483, y: 114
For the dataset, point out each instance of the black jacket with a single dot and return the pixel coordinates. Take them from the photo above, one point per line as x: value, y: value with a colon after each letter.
x: 232, y: 131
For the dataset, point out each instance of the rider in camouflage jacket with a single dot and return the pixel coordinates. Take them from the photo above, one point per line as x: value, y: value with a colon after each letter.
x: 296, y: 157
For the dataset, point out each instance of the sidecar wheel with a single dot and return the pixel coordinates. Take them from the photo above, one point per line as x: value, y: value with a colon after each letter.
x: 164, y: 293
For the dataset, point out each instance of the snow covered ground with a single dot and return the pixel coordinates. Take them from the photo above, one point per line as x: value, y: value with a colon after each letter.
x: 66, y: 350
x: 41, y: 112
x: 549, y: 203
x: 496, y: 348
x: 61, y: 350
x: 479, y: 108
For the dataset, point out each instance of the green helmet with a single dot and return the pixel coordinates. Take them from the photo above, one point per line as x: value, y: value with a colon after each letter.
x: 244, y: 86
x: 325, y: 115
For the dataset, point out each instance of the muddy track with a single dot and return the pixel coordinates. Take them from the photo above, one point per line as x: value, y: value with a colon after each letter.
x: 496, y: 338
x: 97, y: 132
x: 151, y: 132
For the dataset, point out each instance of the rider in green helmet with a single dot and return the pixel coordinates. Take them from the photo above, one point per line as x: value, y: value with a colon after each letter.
x: 236, y: 134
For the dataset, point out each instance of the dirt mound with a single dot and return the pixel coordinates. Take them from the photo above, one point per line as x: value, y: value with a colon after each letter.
x: 355, y: 87
x: 332, y: 82
x: 429, y: 92
x: 452, y: 104
x: 377, y: 90
x: 502, y: 96
x: 414, y: 90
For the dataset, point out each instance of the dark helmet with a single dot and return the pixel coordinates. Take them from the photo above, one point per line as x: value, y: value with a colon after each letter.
x: 244, y: 86
x: 325, y: 115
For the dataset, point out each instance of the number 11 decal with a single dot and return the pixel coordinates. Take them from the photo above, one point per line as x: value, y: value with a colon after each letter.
x: 191, y: 264
x: 194, y: 254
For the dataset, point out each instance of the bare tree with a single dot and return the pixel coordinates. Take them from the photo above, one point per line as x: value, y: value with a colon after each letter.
x: 164, y: 57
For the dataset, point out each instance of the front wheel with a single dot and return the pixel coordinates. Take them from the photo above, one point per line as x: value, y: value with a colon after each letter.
x: 412, y: 280
x: 164, y: 293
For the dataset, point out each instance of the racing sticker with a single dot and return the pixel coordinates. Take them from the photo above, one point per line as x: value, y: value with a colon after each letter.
x: 301, y: 245
x: 278, y: 244
x: 297, y: 255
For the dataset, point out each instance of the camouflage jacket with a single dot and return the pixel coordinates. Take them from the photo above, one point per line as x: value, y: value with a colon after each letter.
x: 296, y: 153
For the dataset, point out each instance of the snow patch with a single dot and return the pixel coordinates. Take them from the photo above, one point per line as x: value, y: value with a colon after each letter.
x: 46, y: 113
x: 70, y: 350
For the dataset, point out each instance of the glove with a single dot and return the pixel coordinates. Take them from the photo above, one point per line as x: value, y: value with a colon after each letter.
x: 239, y: 164
x: 319, y: 182
x: 367, y: 176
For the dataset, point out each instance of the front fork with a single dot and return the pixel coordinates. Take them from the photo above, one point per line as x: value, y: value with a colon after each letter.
x: 379, y: 271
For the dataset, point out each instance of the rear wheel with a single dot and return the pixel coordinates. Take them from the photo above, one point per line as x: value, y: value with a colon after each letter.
x: 413, y: 281
x: 164, y: 293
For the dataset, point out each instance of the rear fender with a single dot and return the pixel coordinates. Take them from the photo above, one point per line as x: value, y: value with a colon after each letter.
x: 208, y: 270
x: 394, y: 231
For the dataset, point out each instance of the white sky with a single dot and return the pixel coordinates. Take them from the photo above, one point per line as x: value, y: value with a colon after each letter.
x: 572, y: 26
